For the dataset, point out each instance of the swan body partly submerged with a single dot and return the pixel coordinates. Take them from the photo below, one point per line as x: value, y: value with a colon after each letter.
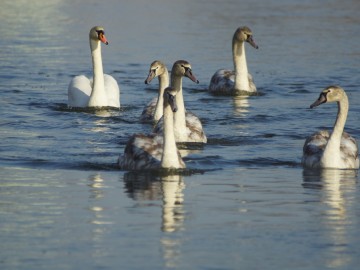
x: 237, y: 81
x: 332, y: 150
x: 155, y: 151
x: 100, y: 91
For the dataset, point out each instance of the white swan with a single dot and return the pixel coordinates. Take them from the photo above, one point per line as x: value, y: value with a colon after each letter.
x: 155, y: 151
x: 338, y: 149
x: 102, y: 90
x: 239, y: 81
x: 153, y: 111
x: 187, y: 126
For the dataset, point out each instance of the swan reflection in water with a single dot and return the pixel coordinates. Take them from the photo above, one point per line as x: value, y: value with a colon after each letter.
x: 143, y: 187
x: 168, y: 188
x: 99, y: 218
x: 241, y: 106
x: 96, y: 189
x: 241, y: 110
x: 336, y: 187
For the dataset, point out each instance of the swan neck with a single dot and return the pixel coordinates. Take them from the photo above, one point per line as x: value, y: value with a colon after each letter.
x: 240, y: 67
x: 98, y: 89
x: 332, y: 150
x: 343, y: 107
x: 170, y: 158
x: 179, y: 118
x: 163, y: 83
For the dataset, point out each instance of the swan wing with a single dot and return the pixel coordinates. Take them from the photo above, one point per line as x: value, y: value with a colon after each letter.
x: 147, y: 114
x: 194, y: 129
x: 314, y: 147
x: 142, y: 152
x: 79, y: 91
x: 222, y: 82
x: 251, y: 83
x: 112, y: 91
x: 194, y: 126
x: 349, y: 151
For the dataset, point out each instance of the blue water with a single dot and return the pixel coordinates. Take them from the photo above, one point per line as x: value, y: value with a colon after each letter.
x: 244, y: 202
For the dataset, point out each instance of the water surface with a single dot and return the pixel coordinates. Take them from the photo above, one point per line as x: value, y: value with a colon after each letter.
x: 244, y: 202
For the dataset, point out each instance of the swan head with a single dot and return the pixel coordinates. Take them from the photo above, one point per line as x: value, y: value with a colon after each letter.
x: 170, y: 98
x: 244, y: 34
x: 97, y: 33
x: 157, y: 68
x: 183, y: 68
x: 329, y: 94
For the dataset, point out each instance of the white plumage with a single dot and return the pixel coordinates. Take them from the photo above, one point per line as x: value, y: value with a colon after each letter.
x: 100, y: 91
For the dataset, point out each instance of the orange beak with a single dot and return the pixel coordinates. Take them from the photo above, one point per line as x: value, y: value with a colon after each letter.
x: 103, y: 39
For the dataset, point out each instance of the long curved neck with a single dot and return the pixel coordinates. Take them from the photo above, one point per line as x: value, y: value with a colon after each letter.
x: 240, y: 67
x: 170, y: 158
x: 97, y: 97
x: 179, y: 118
x: 163, y: 83
x: 332, y: 149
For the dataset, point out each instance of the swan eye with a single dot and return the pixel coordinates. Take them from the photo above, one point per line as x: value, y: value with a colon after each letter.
x: 186, y: 68
x: 100, y: 33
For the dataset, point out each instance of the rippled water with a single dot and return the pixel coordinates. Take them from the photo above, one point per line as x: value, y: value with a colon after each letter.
x: 244, y: 202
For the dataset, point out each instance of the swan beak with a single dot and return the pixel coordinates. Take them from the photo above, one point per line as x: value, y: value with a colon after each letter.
x: 252, y: 42
x: 150, y: 77
x: 172, y: 102
x: 103, y: 39
x: 190, y: 75
x: 322, y: 99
